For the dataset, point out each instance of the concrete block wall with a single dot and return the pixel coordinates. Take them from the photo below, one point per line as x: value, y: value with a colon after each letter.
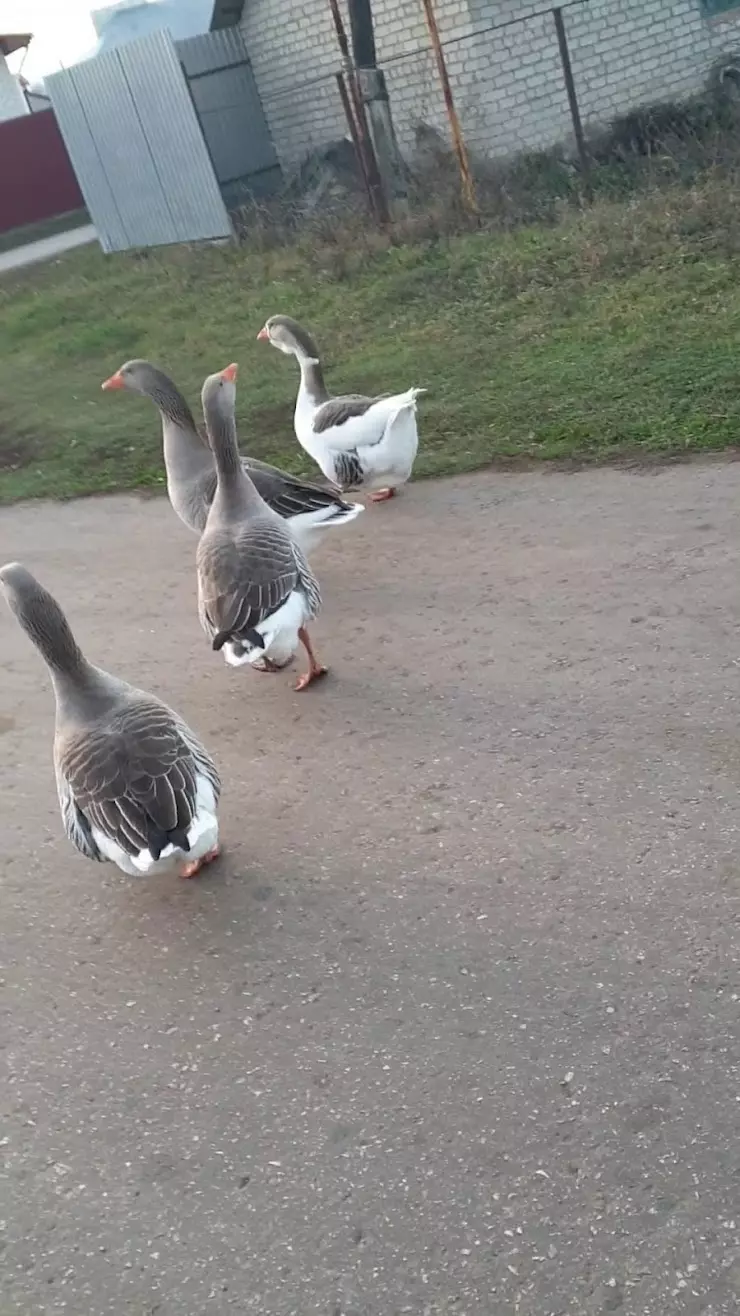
x: 294, y: 57
x: 644, y: 50
x: 507, y: 83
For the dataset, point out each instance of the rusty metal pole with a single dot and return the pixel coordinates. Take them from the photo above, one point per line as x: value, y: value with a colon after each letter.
x: 461, y: 151
x: 575, y: 112
x: 349, y: 115
x: 370, y: 166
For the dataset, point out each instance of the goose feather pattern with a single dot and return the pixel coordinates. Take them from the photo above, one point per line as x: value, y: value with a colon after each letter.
x: 256, y: 591
x: 135, y: 784
x: 137, y: 788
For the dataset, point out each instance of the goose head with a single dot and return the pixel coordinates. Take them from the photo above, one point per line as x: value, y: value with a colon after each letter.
x: 289, y: 336
x: 41, y: 618
x: 218, y: 397
x: 137, y: 377
x: 218, y: 394
x: 18, y: 585
x: 150, y: 382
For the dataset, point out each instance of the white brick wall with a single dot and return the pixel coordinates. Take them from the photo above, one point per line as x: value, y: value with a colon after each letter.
x: 507, y: 83
x: 294, y: 56
x: 12, y: 101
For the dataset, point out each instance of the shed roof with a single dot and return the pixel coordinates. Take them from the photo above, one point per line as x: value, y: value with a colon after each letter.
x: 12, y: 41
x: 182, y: 18
x: 226, y: 13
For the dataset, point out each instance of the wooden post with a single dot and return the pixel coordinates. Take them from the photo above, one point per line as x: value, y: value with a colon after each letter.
x: 458, y: 141
x: 363, y: 36
x: 349, y: 115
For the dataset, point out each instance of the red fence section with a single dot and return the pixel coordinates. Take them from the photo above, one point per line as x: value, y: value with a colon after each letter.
x: 37, y: 180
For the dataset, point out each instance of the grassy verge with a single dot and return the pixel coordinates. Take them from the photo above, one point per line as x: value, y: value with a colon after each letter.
x: 609, y: 333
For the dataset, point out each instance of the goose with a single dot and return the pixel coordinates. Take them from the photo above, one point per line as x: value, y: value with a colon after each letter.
x: 191, y: 476
x: 136, y: 787
x: 358, y: 442
x: 256, y: 591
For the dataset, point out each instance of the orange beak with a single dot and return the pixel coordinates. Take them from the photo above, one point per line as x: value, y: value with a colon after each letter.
x: 230, y: 373
x: 115, y: 381
x: 263, y: 335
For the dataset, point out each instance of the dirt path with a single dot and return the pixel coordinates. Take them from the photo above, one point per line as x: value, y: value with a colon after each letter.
x: 452, y: 1030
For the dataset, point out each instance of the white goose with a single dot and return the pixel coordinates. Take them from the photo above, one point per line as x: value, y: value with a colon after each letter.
x: 136, y: 787
x: 359, y: 442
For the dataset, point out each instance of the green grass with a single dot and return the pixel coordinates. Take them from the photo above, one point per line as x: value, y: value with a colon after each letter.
x: 612, y: 334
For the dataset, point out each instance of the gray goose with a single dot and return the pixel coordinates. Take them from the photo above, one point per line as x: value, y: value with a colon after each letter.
x: 256, y: 591
x: 358, y: 442
x: 191, y: 475
x: 136, y: 787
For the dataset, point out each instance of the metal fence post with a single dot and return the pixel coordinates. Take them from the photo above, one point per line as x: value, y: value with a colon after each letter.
x: 575, y: 112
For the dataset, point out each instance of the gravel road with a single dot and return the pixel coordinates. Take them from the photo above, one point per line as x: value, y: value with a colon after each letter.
x: 452, y: 1028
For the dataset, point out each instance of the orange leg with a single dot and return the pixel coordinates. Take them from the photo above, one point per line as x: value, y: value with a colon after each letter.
x: 382, y: 495
x: 315, y: 668
x: 190, y: 870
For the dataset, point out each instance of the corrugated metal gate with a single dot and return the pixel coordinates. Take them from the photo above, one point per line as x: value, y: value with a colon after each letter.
x: 229, y: 108
x: 133, y: 136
